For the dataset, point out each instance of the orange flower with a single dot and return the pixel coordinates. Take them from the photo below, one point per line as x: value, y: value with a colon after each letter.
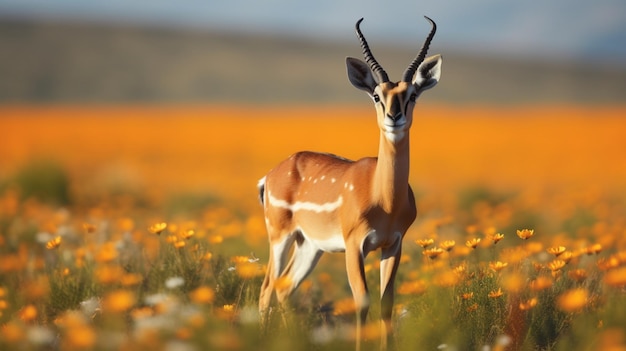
x: 525, y: 233
x: 540, y: 283
x: 157, y: 228
x: 344, y: 307
x: 186, y: 234
x: 54, y: 243
x: 247, y: 270
x: 572, y: 300
x: 577, y: 274
x: 467, y: 296
x: 412, y: 287
x: 282, y: 283
x: 556, y: 265
x: 527, y: 305
x: 28, y: 313
x: 119, y: 301
x: 447, y: 245
x: 433, y: 253
x: 216, y: 239
x: 495, y: 293
x: 472, y: 243
x: 203, y: 294
x: 616, y: 277
x: 497, y: 266
x: 424, y: 243
x: 594, y: 249
x: 472, y: 308
x: 89, y: 228
x: 497, y: 237
x: 556, y: 251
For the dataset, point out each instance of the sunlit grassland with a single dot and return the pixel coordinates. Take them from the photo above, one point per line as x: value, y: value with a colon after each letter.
x: 139, y: 227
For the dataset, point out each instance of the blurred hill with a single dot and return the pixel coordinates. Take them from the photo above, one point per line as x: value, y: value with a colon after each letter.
x: 82, y: 62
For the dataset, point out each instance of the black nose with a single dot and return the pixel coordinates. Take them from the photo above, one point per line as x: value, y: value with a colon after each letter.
x: 396, y: 117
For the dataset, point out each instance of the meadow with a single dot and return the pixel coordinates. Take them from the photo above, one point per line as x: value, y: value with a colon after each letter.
x: 139, y: 227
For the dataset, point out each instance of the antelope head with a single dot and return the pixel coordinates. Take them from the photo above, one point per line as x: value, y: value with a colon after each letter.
x: 394, y: 101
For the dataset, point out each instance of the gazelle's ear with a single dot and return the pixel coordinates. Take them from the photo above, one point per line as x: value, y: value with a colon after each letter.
x: 428, y: 73
x: 360, y: 75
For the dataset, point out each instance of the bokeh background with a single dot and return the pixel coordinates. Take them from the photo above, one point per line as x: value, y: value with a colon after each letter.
x: 292, y: 51
x: 133, y: 134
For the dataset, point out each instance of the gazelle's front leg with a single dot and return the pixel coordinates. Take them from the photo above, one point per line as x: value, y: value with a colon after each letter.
x: 356, y: 277
x: 389, y: 262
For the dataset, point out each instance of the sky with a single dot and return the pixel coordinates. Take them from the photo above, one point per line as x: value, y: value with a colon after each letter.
x: 560, y: 29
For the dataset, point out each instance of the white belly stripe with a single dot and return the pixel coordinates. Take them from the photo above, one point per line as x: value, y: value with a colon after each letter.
x: 305, y: 205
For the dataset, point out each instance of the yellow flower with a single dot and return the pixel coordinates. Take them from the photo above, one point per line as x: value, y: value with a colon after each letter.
x: 472, y: 308
x: 566, y: 256
x: 447, y: 245
x: 497, y: 266
x: 572, y: 300
x: 556, y: 251
x: 556, y: 265
x: 186, y: 234
x: 424, y: 243
x: 529, y: 304
x: 54, y: 243
x: 525, y: 233
x: 433, y: 253
x: 472, y: 243
x: 179, y: 244
x: 497, y: 237
x: 157, y: 228
x: 495, y: 293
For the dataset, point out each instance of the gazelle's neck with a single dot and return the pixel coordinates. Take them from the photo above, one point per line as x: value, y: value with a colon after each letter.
x: 391, y: 178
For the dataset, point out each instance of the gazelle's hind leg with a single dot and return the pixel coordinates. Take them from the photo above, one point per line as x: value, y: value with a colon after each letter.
x: 279, y: 252
x: 304, y: 258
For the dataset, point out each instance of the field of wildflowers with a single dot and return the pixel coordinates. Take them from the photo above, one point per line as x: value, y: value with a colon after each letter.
x: 131, y: 228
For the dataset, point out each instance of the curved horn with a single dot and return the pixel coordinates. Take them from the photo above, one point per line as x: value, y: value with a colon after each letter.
x: 369, y: 58
x: 410, y: 71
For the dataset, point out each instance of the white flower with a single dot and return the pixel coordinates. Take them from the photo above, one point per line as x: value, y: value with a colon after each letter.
x: 174, y: 282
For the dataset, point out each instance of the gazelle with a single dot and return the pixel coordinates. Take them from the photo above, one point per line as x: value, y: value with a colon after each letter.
x: 324, y: 203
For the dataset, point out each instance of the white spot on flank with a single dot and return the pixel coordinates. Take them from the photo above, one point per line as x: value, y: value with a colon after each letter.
x: 322, y: 177
x: 333, y: 180
x: 351, y: 187
x: 315, y: 181
x: 305, y: 205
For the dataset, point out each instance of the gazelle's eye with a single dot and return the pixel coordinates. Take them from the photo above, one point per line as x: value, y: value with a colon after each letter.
x: 413, y: 97
x: 376, y: 98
